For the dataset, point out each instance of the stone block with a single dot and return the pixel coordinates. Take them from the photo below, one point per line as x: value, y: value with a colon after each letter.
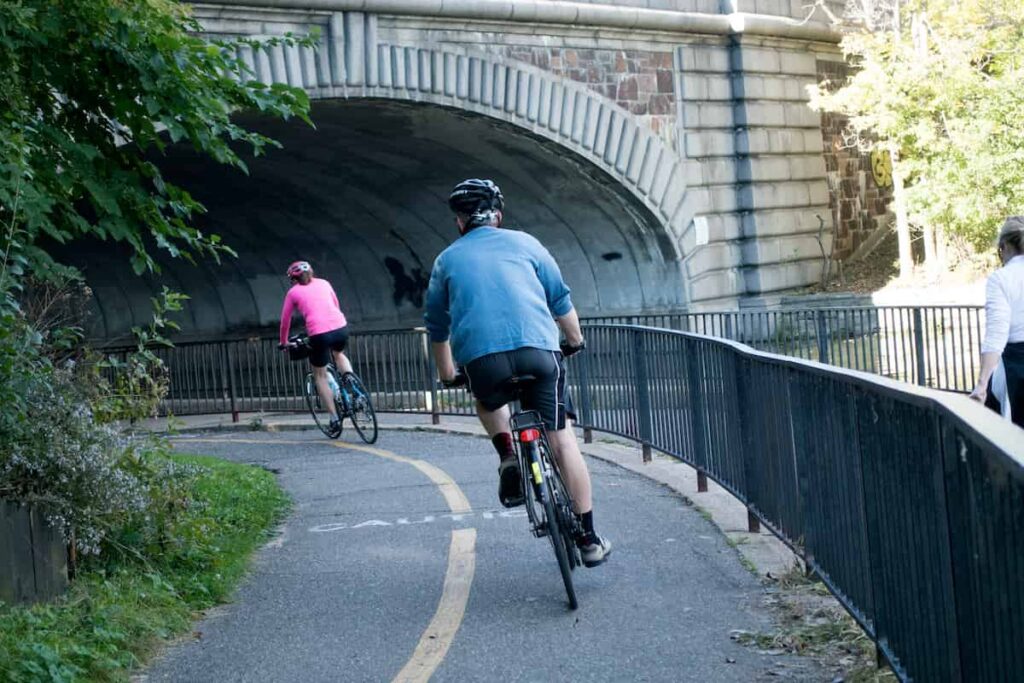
x: 782, y: 249
x: 714, y: 256
x: 807, y: 167
x: 707, y: 115
x: 760, y: 113
x: 724, y: 198
x: 709, y: 143
x: 785, y: 221
x: 759, y: 169
x: 777, y: 277
x: 716, y: 285
x: 798, y: 115
x: 719, y: 171
x: 798, y: 63
x: 775, y: 195
x: 752, y: 59
x: 703, y: 58
x: 703, y: 87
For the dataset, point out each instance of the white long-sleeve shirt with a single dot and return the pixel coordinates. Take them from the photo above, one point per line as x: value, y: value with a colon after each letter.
x: 1004, y: 306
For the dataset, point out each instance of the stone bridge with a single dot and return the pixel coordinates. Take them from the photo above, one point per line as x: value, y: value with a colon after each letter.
x: 662, y: 149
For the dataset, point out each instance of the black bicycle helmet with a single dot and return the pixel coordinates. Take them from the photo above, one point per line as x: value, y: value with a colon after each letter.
x: 476, y: 198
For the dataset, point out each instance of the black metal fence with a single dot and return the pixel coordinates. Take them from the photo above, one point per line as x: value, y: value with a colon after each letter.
x: 909, y: 503
x: 935, y: 346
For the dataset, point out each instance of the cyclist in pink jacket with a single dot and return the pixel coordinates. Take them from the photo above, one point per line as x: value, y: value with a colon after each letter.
x: 325, y: 325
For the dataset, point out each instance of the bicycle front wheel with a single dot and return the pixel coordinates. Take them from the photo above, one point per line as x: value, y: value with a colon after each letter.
x: 551, y: 515
x: 364, y: 418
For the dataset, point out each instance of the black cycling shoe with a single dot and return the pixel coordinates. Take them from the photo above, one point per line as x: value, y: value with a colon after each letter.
x: 335, y: 428
x: 510, y: 483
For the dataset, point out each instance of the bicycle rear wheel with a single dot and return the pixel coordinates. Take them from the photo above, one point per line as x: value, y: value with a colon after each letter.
x: 364, y: 418
x: 321, y: 416
x: 566, y: 518
x: 551, y: 517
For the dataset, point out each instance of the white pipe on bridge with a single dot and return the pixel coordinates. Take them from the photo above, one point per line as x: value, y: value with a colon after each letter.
x: 568, y: 13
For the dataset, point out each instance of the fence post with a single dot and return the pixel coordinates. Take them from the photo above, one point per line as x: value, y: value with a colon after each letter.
x: 643, y: 392
x: 919, y: 345
x: 229, y: 363
x: 697, y: 420
x: 823, y: 337
x: 583, y: 364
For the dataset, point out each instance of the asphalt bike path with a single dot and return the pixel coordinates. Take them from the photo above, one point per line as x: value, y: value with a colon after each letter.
x: 398, y: 564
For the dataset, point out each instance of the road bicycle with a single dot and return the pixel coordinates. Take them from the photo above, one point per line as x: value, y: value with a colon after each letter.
x: 549, y: 506
x: 351, y: 399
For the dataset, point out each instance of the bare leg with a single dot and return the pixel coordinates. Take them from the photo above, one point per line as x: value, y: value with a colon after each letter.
x: 324, y: 389
x: 494, y: 421
x: 342, y: 362
x: 573, y: 467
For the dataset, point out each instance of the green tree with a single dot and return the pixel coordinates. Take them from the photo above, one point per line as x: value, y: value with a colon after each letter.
x: 88, y: 89
x: 941, y: 84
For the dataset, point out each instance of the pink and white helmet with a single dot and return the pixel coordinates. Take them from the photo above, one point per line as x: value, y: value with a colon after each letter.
x: 298, y: 268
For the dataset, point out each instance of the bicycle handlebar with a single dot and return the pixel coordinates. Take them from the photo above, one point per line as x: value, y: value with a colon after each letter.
x: 568, y: 350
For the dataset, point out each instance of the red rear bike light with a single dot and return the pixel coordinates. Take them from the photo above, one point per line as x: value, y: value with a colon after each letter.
x: 529, y: 435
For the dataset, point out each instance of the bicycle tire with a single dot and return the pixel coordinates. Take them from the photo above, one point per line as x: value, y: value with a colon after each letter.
x: 362, y: 406
x: 566, y: 518
x: 555, y: 534
x: 313, y: 403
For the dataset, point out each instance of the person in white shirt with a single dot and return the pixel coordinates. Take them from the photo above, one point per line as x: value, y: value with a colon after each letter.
x: 1001, y: 383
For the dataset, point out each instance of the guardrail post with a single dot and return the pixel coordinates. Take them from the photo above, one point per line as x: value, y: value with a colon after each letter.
x: 919, y: 345
x: 753, y: 523
x: 696, y: 401
x: 583, y: 366
x: 643, y: 394
x: 821, y: 326
x: 229, y: 363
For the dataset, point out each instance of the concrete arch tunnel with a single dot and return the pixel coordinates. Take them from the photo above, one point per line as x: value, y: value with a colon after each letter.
x: 362, y: 197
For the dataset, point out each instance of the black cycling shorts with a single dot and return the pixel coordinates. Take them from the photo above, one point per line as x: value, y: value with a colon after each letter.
x: 488, y: 381
x: 321, y: 345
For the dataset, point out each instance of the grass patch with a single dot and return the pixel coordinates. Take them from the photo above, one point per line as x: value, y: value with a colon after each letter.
x: 118, y: 611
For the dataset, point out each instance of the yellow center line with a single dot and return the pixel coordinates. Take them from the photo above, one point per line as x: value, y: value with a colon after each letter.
x: 441, y: 630
x: 458, y: 578
x: 453, y: 495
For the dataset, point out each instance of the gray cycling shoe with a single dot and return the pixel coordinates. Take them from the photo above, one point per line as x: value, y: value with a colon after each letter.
x: 595, y: 550
x: 510, y: 483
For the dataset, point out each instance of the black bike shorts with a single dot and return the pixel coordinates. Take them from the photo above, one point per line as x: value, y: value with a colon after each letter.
x: 488, y: 382
x: 321, y: 345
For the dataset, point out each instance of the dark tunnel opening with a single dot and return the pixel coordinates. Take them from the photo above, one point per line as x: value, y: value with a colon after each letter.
x: 363, y: 198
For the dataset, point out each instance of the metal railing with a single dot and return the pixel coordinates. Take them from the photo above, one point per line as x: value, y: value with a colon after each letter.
x: 908, y: 503
x: 935, y: 346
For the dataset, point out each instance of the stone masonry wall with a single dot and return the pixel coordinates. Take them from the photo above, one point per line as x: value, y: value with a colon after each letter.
x: 859, y: 204
x: 641, y: 82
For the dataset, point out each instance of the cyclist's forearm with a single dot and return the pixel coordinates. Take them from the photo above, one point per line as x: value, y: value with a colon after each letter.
x: 570, y: 325
x: 443, y: 360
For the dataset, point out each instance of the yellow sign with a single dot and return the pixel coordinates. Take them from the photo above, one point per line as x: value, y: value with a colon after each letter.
x: 881, y: 167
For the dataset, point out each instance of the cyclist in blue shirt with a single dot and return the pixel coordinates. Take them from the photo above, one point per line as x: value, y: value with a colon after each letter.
x: 493, y: 302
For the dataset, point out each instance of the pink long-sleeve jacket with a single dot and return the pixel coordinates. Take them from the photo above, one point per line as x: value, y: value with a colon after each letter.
x: 319, y: 307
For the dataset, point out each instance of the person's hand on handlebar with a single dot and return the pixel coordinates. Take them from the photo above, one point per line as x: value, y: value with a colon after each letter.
x: 459, y: 380
x: 569, y: 350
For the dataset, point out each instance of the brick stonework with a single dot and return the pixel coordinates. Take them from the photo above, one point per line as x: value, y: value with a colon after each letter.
x: 858, y: 205
x: 641, y: 82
